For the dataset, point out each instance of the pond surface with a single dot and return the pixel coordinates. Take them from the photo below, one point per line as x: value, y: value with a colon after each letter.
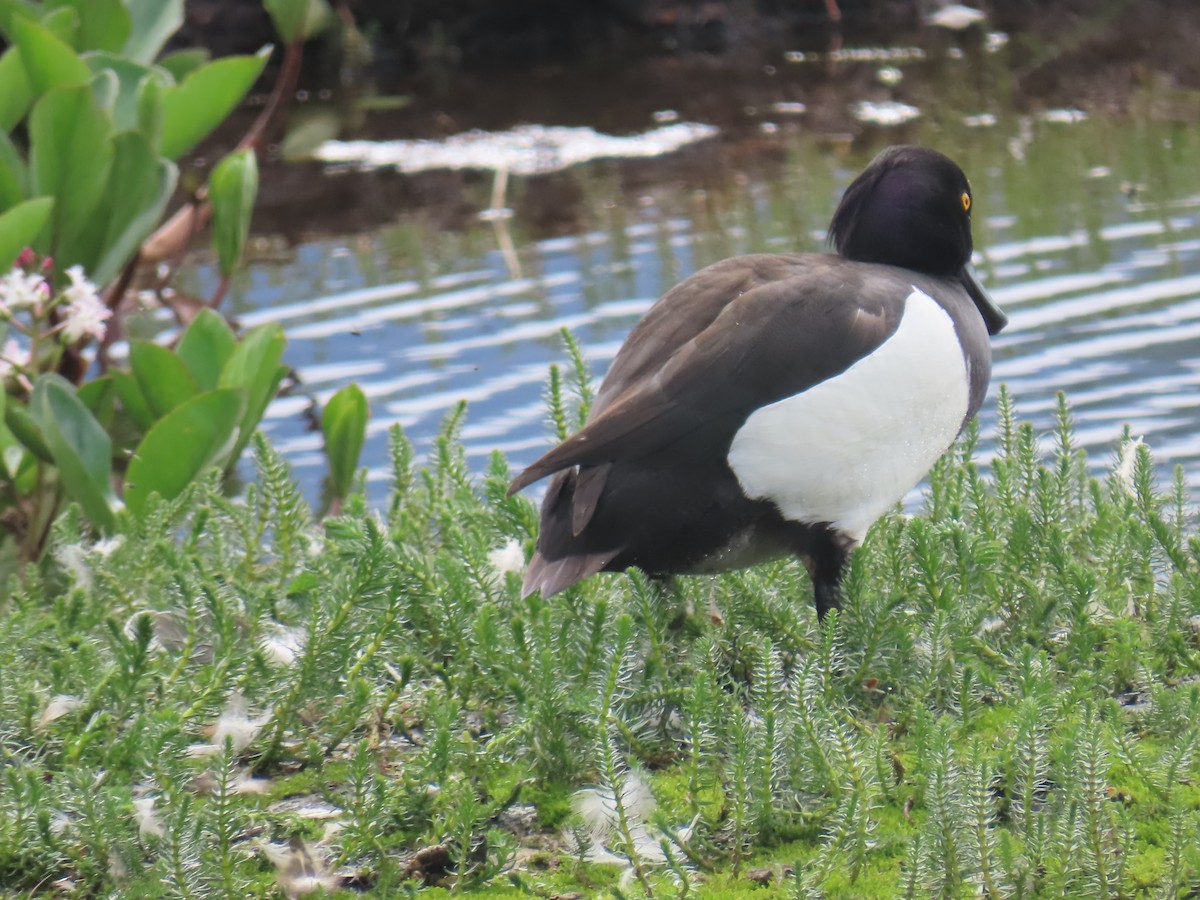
x: 1087, y: 230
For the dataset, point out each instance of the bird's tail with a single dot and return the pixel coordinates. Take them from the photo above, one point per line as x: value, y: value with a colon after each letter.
x: 564, y: 553
x: 553, y: 575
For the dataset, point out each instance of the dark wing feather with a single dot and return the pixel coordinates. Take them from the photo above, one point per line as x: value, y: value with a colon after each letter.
x: 682, y: 313
x: 589, y: 485
x: 772, y: 341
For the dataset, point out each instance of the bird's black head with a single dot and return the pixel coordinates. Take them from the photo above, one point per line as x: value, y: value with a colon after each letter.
x: 911, y: 207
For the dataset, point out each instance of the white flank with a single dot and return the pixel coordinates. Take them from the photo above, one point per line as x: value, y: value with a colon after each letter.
x: 848, y: 449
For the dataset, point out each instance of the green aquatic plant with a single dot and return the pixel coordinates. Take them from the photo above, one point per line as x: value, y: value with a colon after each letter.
x: 94, y: 117
x: 1006, y: 706
x: 127, y: 435
x: 94, y: 121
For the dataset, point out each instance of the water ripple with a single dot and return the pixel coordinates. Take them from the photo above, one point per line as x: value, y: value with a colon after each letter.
x: 1109, y: 313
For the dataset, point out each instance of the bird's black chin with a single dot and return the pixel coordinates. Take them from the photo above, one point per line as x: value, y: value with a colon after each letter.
x: 993, y: 317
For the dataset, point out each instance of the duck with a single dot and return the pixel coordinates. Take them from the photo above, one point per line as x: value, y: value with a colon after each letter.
x: 775, y: 405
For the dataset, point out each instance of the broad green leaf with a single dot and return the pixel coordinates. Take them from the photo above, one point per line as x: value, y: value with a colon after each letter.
x: 150, y: 96
x: 133, y: 401
x: 344, y: 424
x: 26, y: 430
x: 14, y: 174
x: 16, y: 93
x: 11, y: 451
x: 192, y: 109
x: 139, y: 188
x: 63, y: 23
x: 183, y: 63
x: 105, y: 88
x: 71, y: 153
x: 49, y: 61
x: 153, y: 21
x: 130, y: 76
x: 103, y: 24
x: 232, y: 188
x: 12, y: 454
x: 164, y: 379
x: 206, y: 346
x: 6, y: 437
x: 182, y: 445
x: 99, y: 395
x: 298, y: 20
x: 20, y: 227
x: 81, y: 448
x: 11, y: 8
x: 27, y: 471
x: 254, y: 367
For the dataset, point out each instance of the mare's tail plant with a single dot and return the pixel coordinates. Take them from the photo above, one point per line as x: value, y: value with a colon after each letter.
x: 1006, y: 706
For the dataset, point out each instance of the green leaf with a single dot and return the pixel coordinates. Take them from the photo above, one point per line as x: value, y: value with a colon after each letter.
x: 20, y: 227
x: 14, y: 175
x: 12, y: 454
x: 182, y: 445
x: 154, y: 21
x: 103, y: 24
x: 49, y: 61
x: 164, y: 379
x: 151, y: 95
x: 183, y: 63
x: 71, y: 153
x: 11, y: 8
x: 130, y: 76
x: 232, y: 188
x: 139, y: 188
x: 26, y: 430
x: 99, y: 396
x: 63, y: 23
x: 206, y: 346
x: 344, y: 424
x: 254, y: 367
x: 81, y: 448
x: 133, y: 401
x: 298, y: 20
x: 16, y: 93
x: 204, y: 99
x: 105, y: 88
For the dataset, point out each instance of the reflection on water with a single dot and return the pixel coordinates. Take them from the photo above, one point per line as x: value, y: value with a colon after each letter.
x: 1088, y: 231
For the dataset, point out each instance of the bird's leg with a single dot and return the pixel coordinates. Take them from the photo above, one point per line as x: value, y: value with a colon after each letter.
x: 825, y: 558
x: 827, y: 595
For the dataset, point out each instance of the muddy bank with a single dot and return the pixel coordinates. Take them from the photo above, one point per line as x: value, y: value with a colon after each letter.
x: 1089, y: 46
x: 1101, y: 57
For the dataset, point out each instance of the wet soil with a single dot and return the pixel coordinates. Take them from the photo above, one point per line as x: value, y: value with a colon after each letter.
x: 1082, y: 47
x: 614, y: 64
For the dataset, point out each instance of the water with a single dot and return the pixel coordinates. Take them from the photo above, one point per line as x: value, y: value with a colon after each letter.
x: 1088, y: 232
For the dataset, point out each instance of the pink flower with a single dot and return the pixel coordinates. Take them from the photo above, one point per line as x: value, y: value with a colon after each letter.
x: 26, y: 258
x: 86, y: 313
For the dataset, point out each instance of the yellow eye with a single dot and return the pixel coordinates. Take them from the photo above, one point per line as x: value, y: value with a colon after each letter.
x: 966, y: 201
